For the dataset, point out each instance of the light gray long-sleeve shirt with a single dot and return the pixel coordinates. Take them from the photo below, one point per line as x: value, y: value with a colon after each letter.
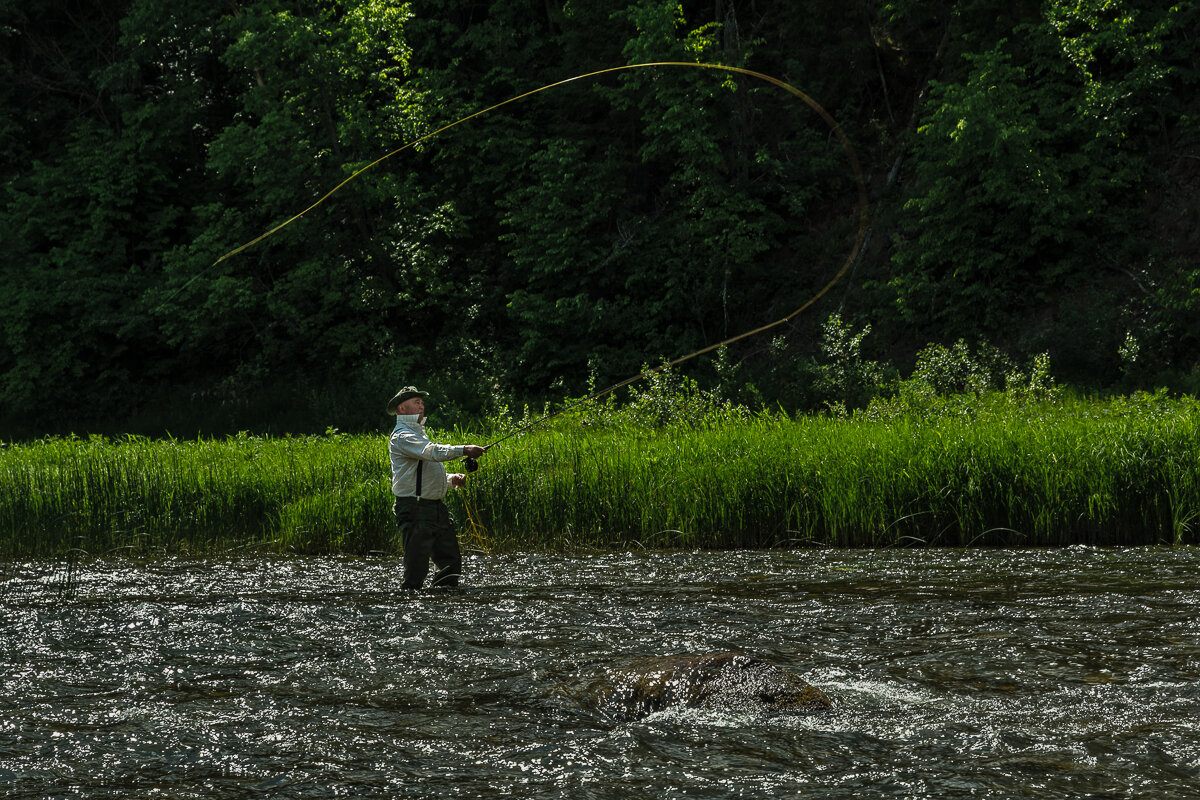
x: 409, y: 446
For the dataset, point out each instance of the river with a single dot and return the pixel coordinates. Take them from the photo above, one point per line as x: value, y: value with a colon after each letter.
x: 953, y: 673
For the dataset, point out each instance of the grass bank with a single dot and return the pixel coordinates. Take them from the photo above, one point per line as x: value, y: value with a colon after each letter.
x: 977, y: 472
x: 140, y: 497
x: 1125, y: 472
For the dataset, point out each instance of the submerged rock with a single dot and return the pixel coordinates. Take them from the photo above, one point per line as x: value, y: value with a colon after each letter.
x: 725, y: 681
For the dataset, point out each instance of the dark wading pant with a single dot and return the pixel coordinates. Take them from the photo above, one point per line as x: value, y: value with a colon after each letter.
x: 427, y: 531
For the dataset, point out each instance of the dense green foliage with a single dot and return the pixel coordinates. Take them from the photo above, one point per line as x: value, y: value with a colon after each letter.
x: 1034, y: 170
x: 676, y: 467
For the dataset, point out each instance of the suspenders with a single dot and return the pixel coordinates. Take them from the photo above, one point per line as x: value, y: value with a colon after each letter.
x: 417, y: 504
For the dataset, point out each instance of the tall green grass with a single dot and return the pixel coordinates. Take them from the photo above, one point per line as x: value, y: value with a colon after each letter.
x: 143, y: 497
x: 982, y: 472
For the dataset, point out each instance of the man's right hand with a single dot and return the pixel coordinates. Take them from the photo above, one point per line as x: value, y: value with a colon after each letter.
x: 473, y: 450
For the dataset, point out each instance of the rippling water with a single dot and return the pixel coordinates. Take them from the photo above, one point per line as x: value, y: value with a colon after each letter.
x: 1066, y: 673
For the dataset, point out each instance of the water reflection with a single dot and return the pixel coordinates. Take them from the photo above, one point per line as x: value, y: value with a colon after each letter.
x: 954, y: 674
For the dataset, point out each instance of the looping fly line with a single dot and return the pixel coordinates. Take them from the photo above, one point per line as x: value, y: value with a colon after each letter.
x: 860, y: 237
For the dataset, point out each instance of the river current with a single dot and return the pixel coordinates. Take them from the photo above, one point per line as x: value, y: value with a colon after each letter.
x: 980, y: 673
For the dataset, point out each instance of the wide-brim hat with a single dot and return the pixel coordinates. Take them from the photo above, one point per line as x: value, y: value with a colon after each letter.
x: 407, y: 393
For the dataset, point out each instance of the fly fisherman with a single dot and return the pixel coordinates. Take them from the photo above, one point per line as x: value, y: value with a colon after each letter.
x: 419, y: 482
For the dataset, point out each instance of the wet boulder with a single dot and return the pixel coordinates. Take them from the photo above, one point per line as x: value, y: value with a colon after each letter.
x: 724, y: 681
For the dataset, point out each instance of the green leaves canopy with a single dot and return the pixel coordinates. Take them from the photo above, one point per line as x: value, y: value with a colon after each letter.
x: 580, y: 233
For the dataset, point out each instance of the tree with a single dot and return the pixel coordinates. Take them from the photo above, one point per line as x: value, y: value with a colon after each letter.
x: 1030, y: 178
x: 76, y: 162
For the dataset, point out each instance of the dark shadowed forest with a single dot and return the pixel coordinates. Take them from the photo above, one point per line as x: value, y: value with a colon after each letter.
x: 1033, y: 171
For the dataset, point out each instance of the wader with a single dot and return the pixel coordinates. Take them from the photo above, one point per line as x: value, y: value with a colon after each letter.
x: 427, y: 531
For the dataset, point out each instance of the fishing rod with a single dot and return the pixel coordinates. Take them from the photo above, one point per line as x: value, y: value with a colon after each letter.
x: 472, y: 464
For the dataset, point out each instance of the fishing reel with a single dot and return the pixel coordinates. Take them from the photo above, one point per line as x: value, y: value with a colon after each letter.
x: 470, y: 464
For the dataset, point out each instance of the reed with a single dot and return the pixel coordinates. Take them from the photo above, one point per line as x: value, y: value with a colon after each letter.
x: 984, y: 472
x: 989, y: 472
x: 144, y: 497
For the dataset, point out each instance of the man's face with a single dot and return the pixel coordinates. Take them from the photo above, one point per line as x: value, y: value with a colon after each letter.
x: 413, y: 405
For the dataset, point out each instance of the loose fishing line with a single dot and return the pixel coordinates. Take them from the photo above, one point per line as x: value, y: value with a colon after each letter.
x: 472, y: 464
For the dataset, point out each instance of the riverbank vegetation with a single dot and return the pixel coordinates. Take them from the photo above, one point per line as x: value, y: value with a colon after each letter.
x: 675, y: 467
x: 1033, y: 171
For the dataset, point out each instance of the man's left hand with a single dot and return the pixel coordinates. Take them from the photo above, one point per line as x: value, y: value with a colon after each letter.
x: 458, y: 480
